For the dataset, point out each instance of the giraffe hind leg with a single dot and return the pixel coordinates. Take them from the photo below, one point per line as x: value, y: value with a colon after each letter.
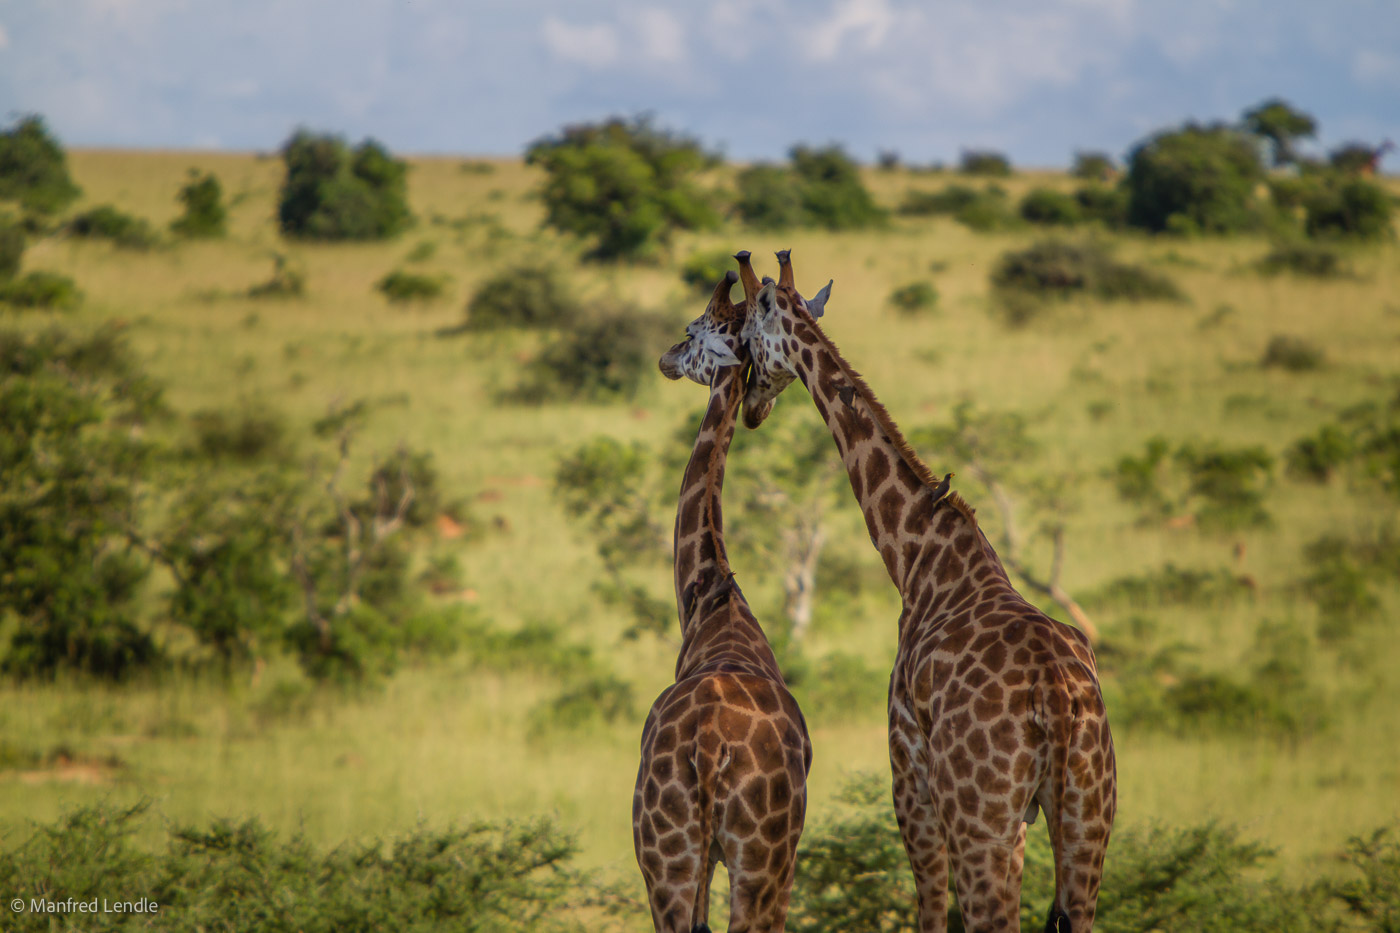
x: 987, y: 877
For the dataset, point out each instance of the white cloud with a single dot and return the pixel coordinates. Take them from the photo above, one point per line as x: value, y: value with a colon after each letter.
x: 660, y: 37
x: 866, y: 21
x: 1375, y: 68
x: 596, y: 46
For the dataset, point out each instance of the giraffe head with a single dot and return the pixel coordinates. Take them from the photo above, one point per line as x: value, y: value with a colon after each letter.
x: 773, y: 307
x: 712, y: 341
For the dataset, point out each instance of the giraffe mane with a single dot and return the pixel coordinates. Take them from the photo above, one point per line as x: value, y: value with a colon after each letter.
x: 959, y: 503
x: 882, y: 416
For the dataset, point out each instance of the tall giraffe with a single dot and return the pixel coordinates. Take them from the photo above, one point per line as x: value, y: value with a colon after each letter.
x: 994, y: 708
x: 725, y: 753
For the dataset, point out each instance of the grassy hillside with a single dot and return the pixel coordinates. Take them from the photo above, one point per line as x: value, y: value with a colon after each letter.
x: 453, y: 740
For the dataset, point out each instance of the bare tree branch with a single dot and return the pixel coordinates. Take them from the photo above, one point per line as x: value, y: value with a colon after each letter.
x: 1011, y: 555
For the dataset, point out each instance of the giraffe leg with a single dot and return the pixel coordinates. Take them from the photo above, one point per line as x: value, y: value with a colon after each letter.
x: 987, y: 875
x: 926, y: 846
x: 1079, y: 801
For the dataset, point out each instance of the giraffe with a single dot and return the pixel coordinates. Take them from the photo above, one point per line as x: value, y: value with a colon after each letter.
x: 994, y: 709
x: 725, y: 752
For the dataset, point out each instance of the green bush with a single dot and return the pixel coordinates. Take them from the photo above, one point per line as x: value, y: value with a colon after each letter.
x: 39, y: 289
x: 702, y: 270
x: 11, y: 249
x: 1351, y: 158
x: 821, y: 188
x: 605, y: 356
x: 506, y: 877
x: 334, y: 193
x: 1295, y: 354
x: 1374, y: 897
x: 205, y: 215
x: 1319, y: 457
x: 844, y: 687
x: 1108, y: 206
x: 1058, y: 269
x: 1312, y: 260
x: 247, y: 434
x: 914, y: 297
x: 1093, y: 166
x: 602, y: 698
x: 400, y: 286
x: 951, y: 199
x: 34, y: 168
x: 1172, y: 586
x: 1049, y: 207
x: 1222, y: 488
x: 984, y: 162
x: 70, y: 465
x: 622, y: 184
x: 1196, y: 179
x: 527, y: 297
x: 105, y: 222
x: 1352, y: 208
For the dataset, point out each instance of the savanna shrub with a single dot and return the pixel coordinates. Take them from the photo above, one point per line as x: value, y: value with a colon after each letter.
x: 1093, y: 166
x: 34, y: 168
x: 984, y: 162
x: 70, y: 466
x: 1295, y: 354
x: 508, y: 877
x: 821, y: 188
x: 1351, y: 158
x: 105, y: 222
x: 205, y: 214
x: 914, y: 297
x: 843, y: 687
x: 525, y: 297
x: 606, y: 355
x: 334, y: 193
x: 703, y: 271
x: 770, y: 198
x: 1195, y: 179
x: 602, y: 698
x: 1318, y: 457
x: 247, y: 434
x: 1049, y: 207
x: 951, y: 199
x: 400, y: 286
x: 11, y: 249
x: 1172, y: 586
x: 1059, y: 269
x: 40, y: 289
x: 1222, y: 488
x: 1108, y: 206
x: 1309, y: 259
x: 625, y: 185
x: 1351, y: 208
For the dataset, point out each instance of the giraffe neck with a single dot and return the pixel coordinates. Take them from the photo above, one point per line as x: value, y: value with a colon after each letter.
x: 914, y: 524
x: 700, y: 557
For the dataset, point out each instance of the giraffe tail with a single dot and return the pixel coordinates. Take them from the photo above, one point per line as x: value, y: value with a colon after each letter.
x: 1072, y: 715
x: 711, y: 757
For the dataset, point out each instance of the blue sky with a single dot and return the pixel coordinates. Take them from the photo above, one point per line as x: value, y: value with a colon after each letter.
x: 1037, y: 79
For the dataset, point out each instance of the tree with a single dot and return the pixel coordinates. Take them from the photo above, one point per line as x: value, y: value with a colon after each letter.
x: 1195, y: 179
x: 623, y: 184
x: 820, y: 188
x: 70, y: 468
x: 1277, y: 121
x: 334, y: 193
x: 34, y: 169
x: 205, y: 215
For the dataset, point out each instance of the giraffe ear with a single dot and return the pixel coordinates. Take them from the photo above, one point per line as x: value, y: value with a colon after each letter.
x: 767, y: 308
x: 816, y: 305
x: 718, y: 349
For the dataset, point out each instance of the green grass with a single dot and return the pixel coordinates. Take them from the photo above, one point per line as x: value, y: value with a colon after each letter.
x: 450, y: 742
